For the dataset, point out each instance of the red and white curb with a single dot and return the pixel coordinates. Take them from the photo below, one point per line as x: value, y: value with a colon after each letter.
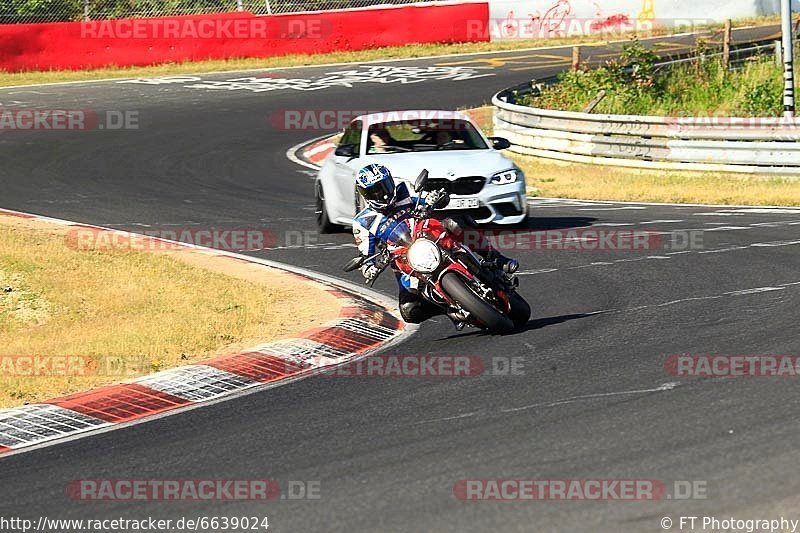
x: 319, y: 151
x: 311, y: 154
x: 365, y: 324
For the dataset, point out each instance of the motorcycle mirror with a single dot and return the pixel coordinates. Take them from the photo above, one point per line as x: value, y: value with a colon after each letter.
x: 354, y: 264
x: 421, y: 181
x: 499, y: 143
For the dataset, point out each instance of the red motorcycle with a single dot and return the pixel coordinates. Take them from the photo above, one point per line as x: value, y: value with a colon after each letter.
x: 471, y: 289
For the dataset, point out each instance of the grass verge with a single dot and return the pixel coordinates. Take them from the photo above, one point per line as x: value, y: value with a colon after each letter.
x: 634, y: 86
x: 402, y: 52
x: 129, y: 313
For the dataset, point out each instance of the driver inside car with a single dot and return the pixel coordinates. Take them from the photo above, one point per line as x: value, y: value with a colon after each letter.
x: 379, y: 139
x: 388, y: 202
x: 443, y: 138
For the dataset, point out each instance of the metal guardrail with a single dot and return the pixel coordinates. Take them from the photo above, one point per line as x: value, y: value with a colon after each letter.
x: 742, y: 145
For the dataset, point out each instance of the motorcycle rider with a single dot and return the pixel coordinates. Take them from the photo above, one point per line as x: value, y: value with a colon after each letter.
x: 387, y: 202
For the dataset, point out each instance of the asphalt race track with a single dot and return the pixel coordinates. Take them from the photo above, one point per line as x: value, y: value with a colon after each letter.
x: 594, y: 400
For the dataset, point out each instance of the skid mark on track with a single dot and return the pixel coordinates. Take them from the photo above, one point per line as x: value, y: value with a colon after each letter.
x: 661, y: 388
x: 751, y: 291
x: 728, y: 294
x: 665, y: 387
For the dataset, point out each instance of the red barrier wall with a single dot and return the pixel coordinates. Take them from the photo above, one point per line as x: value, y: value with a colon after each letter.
x: 79, y: 45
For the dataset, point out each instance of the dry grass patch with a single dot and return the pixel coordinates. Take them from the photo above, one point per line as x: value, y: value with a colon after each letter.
x: 151, y: 310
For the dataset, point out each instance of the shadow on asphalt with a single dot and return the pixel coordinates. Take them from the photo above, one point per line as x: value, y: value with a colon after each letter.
x: 539, y: 224
x: 532, y: 325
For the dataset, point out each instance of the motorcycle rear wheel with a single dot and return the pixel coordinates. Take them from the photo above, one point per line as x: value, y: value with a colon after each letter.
x: 484, y: 313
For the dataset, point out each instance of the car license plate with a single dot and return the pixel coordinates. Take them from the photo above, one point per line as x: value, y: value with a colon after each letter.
x: 463, y: 203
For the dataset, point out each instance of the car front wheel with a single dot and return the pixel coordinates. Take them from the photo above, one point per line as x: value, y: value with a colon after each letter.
x: 321, y: 213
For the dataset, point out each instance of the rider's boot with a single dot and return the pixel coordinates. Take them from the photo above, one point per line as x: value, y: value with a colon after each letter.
x: 458, y: 318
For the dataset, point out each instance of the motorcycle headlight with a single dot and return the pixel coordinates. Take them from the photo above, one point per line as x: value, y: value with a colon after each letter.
x: 424, y: 256
x: 508, y: 176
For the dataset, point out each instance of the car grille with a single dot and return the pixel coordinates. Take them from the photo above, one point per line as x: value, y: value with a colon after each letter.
x: 461, y: 186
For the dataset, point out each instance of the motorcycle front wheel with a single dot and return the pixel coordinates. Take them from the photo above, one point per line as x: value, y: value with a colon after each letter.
x: 482, y: 311
x: 520, y: 310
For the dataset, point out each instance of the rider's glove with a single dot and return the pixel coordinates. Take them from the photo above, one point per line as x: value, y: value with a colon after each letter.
x: 370, y: 272
x: 437, y: 199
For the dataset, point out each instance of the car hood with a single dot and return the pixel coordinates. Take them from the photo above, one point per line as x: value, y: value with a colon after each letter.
x: 450, y: 164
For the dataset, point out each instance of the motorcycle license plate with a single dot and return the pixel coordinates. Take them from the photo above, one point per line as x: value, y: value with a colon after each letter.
x: 463, y: 203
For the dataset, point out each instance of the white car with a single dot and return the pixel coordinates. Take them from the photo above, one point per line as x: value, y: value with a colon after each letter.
x: 458, y: 156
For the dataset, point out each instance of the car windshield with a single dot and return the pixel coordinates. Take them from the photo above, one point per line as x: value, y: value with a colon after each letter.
x: 423, y: 136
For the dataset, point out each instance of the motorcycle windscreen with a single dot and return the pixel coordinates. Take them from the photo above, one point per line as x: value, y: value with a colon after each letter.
x: 399, y: 233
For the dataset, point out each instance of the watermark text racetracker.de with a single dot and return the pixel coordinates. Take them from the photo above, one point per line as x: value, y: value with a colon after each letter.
x: 286, y: 27
x: 43, y: 366
x: 633, y: 490
x: 85, y: 238
x: 415, y: 366
x: 732, y: 366
x: 710, y: 123
x: 192, y: 490
x: 323, y: 120
x: 230, y: 239
x: 560, y: 21
x: 67, y: 120
x: 584, y: 240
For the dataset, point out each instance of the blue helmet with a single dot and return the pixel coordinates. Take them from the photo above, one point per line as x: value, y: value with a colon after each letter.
x: 376, y: 185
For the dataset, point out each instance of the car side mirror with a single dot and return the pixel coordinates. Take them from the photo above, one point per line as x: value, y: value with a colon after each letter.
x: 345, y: 150
x: 500, y: 143
x: 421, y: 181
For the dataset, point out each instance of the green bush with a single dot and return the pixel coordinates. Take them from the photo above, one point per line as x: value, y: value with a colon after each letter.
x: 18, y: 11
x: 40, y: 10
x: 634, y: 86
x: 129, y: 8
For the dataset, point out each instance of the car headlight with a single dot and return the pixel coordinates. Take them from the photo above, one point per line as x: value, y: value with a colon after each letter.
x: 508, y: 176
x: 424, y: 256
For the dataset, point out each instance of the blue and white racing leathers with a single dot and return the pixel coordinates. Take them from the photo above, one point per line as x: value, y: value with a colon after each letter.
x: 372, y: 227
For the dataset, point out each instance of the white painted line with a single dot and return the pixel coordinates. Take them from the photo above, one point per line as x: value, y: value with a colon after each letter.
x: 533, y: 272
x: 755, y: 291
x: 668, y: 204
x: 612, y: 208
x: 723, y: 228
x: 613, y: 225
